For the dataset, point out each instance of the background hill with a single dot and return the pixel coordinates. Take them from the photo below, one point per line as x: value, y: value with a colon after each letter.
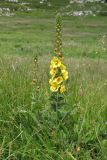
x: 49, y: 4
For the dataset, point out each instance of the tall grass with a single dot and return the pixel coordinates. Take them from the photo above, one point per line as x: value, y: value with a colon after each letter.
x: 28, y: 132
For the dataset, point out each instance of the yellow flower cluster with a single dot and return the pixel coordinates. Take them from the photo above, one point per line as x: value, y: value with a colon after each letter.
x: 59, y: 75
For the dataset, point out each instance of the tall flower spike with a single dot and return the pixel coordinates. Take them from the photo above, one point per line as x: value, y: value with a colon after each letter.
x: 58, y: 40
x: 58, y: 71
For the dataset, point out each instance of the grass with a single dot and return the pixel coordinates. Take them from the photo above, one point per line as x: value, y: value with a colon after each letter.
x: 77, y: 33
x: 28, y: 129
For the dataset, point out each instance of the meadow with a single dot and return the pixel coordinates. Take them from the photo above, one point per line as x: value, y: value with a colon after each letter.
x: 29, y: 129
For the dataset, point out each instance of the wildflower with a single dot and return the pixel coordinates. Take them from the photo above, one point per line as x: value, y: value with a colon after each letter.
x: 58, y: 71
x: 59, y: 80
x: 52, y: 71
x: 65, y: 74
x: 62, y: 89
x: 54, y: 87
x: 59, y: 74
x: 62, y: 67
x: 55, y: 62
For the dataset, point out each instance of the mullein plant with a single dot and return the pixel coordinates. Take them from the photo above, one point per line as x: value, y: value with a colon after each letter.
x: 58, y: 71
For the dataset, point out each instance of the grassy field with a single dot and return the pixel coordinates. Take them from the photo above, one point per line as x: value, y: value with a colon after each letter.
x: 28, y: 128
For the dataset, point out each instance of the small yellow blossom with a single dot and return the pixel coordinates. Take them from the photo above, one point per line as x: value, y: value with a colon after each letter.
x: 62, y: 67
x: 52, y: 71
x: 62, y: 89
x: 55, y: 62
x: 54, y: 87
x: 59, y: 80
x: 65, y: 74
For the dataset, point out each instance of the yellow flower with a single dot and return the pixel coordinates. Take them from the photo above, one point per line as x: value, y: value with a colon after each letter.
x: 65, y: 74
x: 59, y: 80
x: 59, y: 74
x: 55, y: 62
x: 62, y: 67
x: 62, y: 89
x: 54, y: 87
x: 52, y: 71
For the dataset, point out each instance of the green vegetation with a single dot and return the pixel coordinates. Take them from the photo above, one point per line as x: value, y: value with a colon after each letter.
x: 32, y: 34
x: 28, y: 126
